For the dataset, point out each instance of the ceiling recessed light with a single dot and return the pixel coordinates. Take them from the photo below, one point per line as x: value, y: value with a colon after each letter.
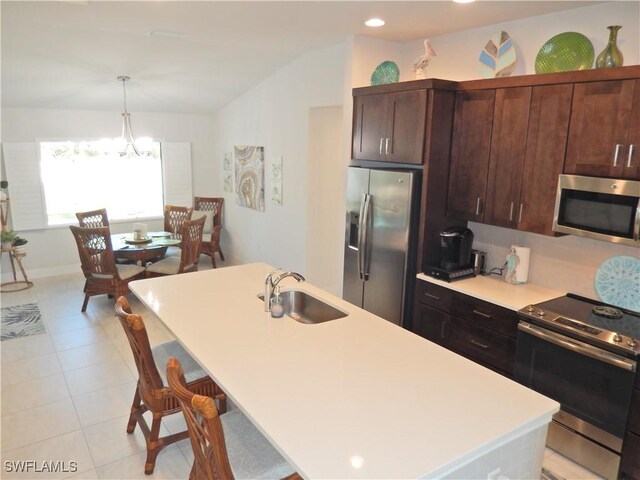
x: 464, y: 1
x: 374, y: 22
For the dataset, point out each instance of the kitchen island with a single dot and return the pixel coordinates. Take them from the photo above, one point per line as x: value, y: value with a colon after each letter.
x: 356, y: 397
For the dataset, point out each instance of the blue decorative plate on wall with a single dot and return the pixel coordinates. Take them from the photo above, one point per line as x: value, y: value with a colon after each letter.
x: 618, y: 282
x: 386, y: 72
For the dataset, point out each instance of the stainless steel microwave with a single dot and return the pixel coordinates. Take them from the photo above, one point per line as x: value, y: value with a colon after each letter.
x: 602, y: 208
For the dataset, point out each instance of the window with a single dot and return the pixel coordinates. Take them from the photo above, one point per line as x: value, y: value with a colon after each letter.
x: 85, y: 175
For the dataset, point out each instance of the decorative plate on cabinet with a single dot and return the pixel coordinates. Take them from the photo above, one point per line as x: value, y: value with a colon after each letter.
x: 386, y: 72
x: 498, y: 58
x: 617, y: 282
x: 565, y: 52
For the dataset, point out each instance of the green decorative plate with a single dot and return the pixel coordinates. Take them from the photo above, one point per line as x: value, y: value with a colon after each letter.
x: 565, y: 52
x: 386, y: 72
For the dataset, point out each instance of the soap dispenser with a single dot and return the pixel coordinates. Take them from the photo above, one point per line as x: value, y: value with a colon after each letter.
x: 277, y: 304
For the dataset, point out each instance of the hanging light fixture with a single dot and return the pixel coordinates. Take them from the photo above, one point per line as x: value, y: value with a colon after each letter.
x: 140, y: 146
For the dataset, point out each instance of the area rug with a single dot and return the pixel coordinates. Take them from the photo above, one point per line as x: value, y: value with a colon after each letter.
x: 549, y: 475
x: 21, y: 321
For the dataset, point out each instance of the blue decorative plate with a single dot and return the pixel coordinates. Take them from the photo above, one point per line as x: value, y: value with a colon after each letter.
x: 386, y: 72
x: 618, y: 282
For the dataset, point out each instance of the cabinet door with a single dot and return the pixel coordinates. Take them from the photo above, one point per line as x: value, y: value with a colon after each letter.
x: 630, y: 463
x: 508, y: 140
x: 369, y: 127
x: 404, y: 140
x: 631, y: 167
x: 544, y: 158
x: 431, y: 324
x: 471, y: 143
x: 600, y: 116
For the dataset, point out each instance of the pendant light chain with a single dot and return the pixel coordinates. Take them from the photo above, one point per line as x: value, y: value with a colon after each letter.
x: 127, y: 133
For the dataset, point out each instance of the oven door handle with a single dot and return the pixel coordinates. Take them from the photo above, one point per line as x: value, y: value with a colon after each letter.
x: 578, y: 347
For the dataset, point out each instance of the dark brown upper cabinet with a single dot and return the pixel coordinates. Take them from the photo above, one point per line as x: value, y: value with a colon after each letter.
x: 604, y: 127
x: 390, y: 127
x: 506, y: 163
x: 530, y: 126
x: 470, y: 151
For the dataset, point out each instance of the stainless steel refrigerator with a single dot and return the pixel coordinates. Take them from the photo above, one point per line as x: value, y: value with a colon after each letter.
x: 380, y: 238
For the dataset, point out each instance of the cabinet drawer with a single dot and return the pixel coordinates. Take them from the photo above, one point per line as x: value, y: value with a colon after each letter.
x: 492, y: 348
x: 431, y: 324
x: 485, y: 314
x: 634, y: 415
x: 434, y: 295
x: 630, y: 464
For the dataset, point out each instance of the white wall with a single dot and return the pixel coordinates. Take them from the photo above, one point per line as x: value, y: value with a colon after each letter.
x: 275, y: 115
x: 53, y: 251
x: 458, y: 53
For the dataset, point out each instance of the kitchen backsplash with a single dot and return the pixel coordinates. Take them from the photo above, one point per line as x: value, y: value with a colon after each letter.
x: 566, y: 263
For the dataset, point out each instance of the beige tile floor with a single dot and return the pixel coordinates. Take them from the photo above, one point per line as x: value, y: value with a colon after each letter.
x: 66, y: 394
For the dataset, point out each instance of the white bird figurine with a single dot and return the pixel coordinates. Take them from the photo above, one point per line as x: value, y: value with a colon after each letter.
x: 422, y: 61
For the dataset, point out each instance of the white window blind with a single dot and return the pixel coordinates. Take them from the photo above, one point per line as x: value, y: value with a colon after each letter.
x: 28, y: 210
x: 25, y: 189
x: 176, y: 171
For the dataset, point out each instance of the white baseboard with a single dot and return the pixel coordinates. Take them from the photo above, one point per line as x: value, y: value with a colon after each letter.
x: 7, y: 276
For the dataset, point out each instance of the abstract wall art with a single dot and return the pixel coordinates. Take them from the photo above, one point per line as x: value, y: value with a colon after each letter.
x: 249, y: 174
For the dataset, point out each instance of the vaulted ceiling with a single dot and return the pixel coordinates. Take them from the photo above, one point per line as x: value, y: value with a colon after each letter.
x: 197, y: 56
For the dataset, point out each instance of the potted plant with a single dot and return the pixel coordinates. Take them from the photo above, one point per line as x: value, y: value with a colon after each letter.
x: 3, y: 187
x: 19, y: 245
x: 6, y: 238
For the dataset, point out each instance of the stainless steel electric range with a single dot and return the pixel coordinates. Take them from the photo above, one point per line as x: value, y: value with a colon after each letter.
x: 583, y: 354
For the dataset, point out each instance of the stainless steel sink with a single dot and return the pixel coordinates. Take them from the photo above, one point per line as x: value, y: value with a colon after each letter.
x: 306, y: 308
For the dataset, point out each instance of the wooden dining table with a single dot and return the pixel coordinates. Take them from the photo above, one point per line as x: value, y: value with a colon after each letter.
x: 150, y: 249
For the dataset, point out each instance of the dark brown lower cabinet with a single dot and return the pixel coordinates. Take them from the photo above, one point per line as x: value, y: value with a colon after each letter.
x: 491, y: 348
x: 478, y: 330
x: 630, y: 464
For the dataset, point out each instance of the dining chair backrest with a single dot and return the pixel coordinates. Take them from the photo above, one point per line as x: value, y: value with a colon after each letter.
x: 150, y: 382
x: 191, y: 239
x: 210, y: 204
x: 174, y: 218
x: 211, y: 460
x: 93, y: 218
x: 95, y: 251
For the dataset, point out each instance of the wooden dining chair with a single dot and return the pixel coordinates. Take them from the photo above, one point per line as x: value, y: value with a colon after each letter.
x: 190, y: 252
x: 152, y: 391
x: 211, y: 239
x: 102, y: 275
x: 174, y: 218
x: 93, y: 218
x: 224, y: 446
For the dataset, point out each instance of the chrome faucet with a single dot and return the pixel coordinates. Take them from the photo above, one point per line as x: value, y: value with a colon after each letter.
x: 270, y: 284
x: 268, y: 289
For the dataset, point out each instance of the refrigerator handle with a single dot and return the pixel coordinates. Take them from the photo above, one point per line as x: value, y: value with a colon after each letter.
x: 363, y: 250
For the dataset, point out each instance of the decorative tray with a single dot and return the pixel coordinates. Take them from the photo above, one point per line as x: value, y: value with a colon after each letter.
x: 386, y: 72
x: 131, y: 241
x: 565, y: 52
x: 159, y: 234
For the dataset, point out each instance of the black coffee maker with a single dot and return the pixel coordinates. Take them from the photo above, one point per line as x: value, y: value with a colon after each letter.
x: 455, y: 248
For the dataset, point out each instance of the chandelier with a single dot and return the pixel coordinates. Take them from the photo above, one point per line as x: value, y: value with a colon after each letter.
x: 140, y: 146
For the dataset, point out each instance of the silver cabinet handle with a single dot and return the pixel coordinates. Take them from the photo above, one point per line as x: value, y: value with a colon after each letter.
x: 632, y: 149
x: 511, y: 212
x: 381, y: 144
x: 520, y: 214
x: 478, y: 206
x: 432, y: 296
x: 387, y: 144
x: 616, y: 154
x: 478, y: 344
x: 482, y: 314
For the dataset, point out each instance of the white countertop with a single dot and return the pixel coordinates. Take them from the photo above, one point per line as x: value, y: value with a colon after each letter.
x: 496, y: 290
x: 356, y: 397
